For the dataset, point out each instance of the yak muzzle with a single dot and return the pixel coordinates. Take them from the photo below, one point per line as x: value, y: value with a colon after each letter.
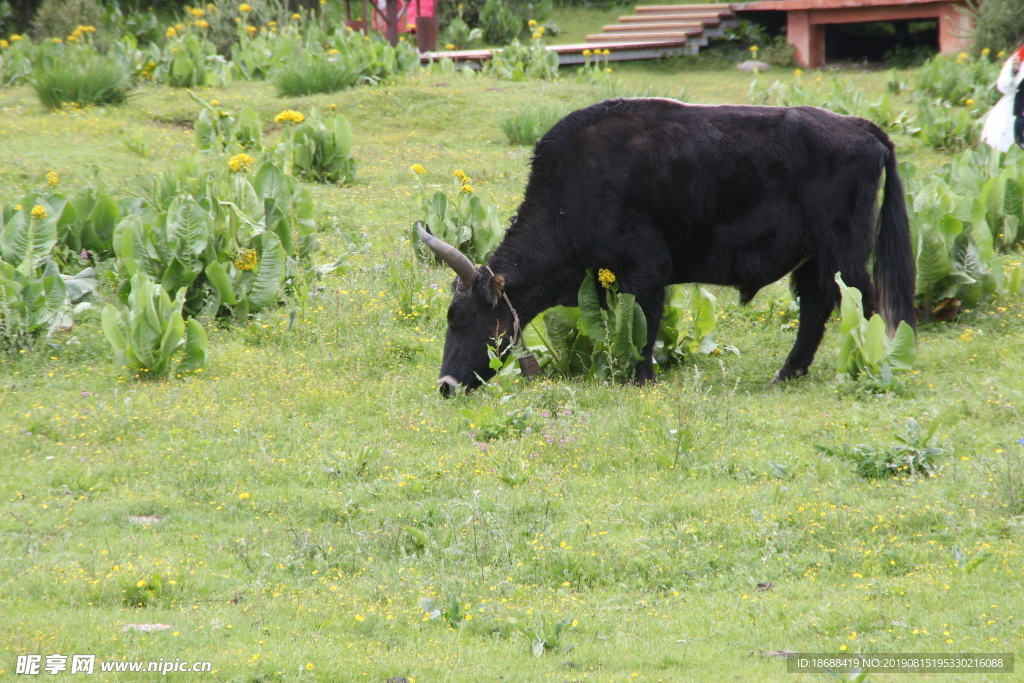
x: 448, y: 386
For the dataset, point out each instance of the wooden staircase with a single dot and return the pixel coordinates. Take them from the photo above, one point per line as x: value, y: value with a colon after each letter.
x: 687, y: 26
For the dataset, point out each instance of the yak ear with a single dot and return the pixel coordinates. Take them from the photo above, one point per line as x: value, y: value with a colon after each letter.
x: 495, y: 287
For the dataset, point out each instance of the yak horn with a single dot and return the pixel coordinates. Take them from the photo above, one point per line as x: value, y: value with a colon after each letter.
x: 458, y: 261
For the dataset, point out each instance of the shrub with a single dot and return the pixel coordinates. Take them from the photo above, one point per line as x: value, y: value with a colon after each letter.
x: 60, y: 18
x: 998, y: 24
x: 81, y: 76
x: 867, y: 351
x: 958, y: 78
x: 219, y: 130
x: 316, y: 76
x: 223, y: 30
x: 500, y: 23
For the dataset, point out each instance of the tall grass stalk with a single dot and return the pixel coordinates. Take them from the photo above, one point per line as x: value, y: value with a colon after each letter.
x: 85, y: 80
x: 317, y: 77
x: 526, y: 126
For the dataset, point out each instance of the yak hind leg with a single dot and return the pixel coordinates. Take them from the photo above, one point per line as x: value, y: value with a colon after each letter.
x: 818, y: 298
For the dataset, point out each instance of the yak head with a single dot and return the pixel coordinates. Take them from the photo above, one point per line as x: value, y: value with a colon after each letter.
x: 477, y: 318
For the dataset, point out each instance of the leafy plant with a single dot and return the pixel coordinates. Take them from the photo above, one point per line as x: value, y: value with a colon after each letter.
x: 677, y: 339
x: 453, y: 614
x: 463, y: 221
x: 914, y: 455
x: 146, y: 334
x: 487, y: 424
x: 88, y: 220
x: 228, y: 242
x: 940, y: 125
x: 189, y: 60
x: 835, y: 94
x: 31, y: 302
x: 866, y: 349
x: 517, y: 61
x: 619, y: 331
x: 555, y: 338
x: 458, y: 34
x: 219, y: 130
x: 319, y: 149
x: 499, y: 22
x: 546, y: 634
x: 955, y: 79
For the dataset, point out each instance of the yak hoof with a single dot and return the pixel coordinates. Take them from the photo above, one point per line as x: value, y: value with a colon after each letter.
x: 784, y: 375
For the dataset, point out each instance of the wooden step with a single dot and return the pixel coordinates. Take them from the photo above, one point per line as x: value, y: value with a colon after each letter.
x: 643, y: 37
x: 633, y: 28
x: 644, y: 18
x: 641, y: 9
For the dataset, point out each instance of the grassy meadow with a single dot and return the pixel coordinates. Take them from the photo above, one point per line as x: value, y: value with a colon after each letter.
x: 287, y: 511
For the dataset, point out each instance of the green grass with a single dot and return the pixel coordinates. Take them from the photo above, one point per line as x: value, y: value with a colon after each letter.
x: 311, y: 487
x: 526, y: 126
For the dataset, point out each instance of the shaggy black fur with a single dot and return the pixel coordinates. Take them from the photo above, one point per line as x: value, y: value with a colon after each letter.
x: 661, y: 192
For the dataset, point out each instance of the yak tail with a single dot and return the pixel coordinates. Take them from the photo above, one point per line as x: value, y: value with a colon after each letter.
x: 894, y: 260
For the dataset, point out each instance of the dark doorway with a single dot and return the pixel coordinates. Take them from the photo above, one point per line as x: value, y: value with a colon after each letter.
x: 882, y: 41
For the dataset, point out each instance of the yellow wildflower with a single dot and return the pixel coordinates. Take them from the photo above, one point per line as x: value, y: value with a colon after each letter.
x: 52, y: 179
x: 171, y: 31
x: 245, y: 260
x: 332, y: 51
x: 606, y: 278
x: 15, y: 38
x: 4, y: 44
x: 196, y: 12
x: 289, y: 116
x: 449, y: 46
x: 296, y: 16
x: 798, y: 72
x: 962, y: 56
x: 57, y: 40
x: 587, y: 53
x: 540, y: 30
x: 532, y: 23
x: 214, y: 103
x: 203, y: 23
x: 537, y: 36
x: 1000, y: 55
x: 418, y: 169
x: 38, y: 212
x: 333, y: 107
x: 72, y: 38
x: 243, y: 496
x: 240, y: 163
x: 17, y: 207
x: 461, y: 175
x: 467, y: 188
x: 323, y: 2
x: 969, y: 102
x: 607, y: 52
x: 251, y: 29
x: 86, y: 29
x: 244, y: 7
x: 754, y: 49
x: 985, y: 52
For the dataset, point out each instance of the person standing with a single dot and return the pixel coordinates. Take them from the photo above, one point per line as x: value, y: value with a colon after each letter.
x: 1004, y: 124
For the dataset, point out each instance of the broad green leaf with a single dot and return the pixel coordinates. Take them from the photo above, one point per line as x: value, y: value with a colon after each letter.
x: 196, y: 347
x: 591, y: 322
x: 933, y: 263
x: 269, y: 273
x: 874, y: 340
x: 903, y: 351
x: 113, y: 325
x: 704, y: 311
x: 851, y: 310
x: 218, y: 277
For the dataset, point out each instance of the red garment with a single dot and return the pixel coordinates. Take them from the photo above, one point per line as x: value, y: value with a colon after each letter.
x: 407, y: 22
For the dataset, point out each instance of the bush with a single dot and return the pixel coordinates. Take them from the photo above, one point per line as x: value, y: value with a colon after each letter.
x: 60, y: 18
x: 223, y: 30
x: 319, y: 149
x: 82, y: 77
x: 998, y: 24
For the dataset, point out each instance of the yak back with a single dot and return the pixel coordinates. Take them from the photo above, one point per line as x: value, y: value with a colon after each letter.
x: 730, y: 194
